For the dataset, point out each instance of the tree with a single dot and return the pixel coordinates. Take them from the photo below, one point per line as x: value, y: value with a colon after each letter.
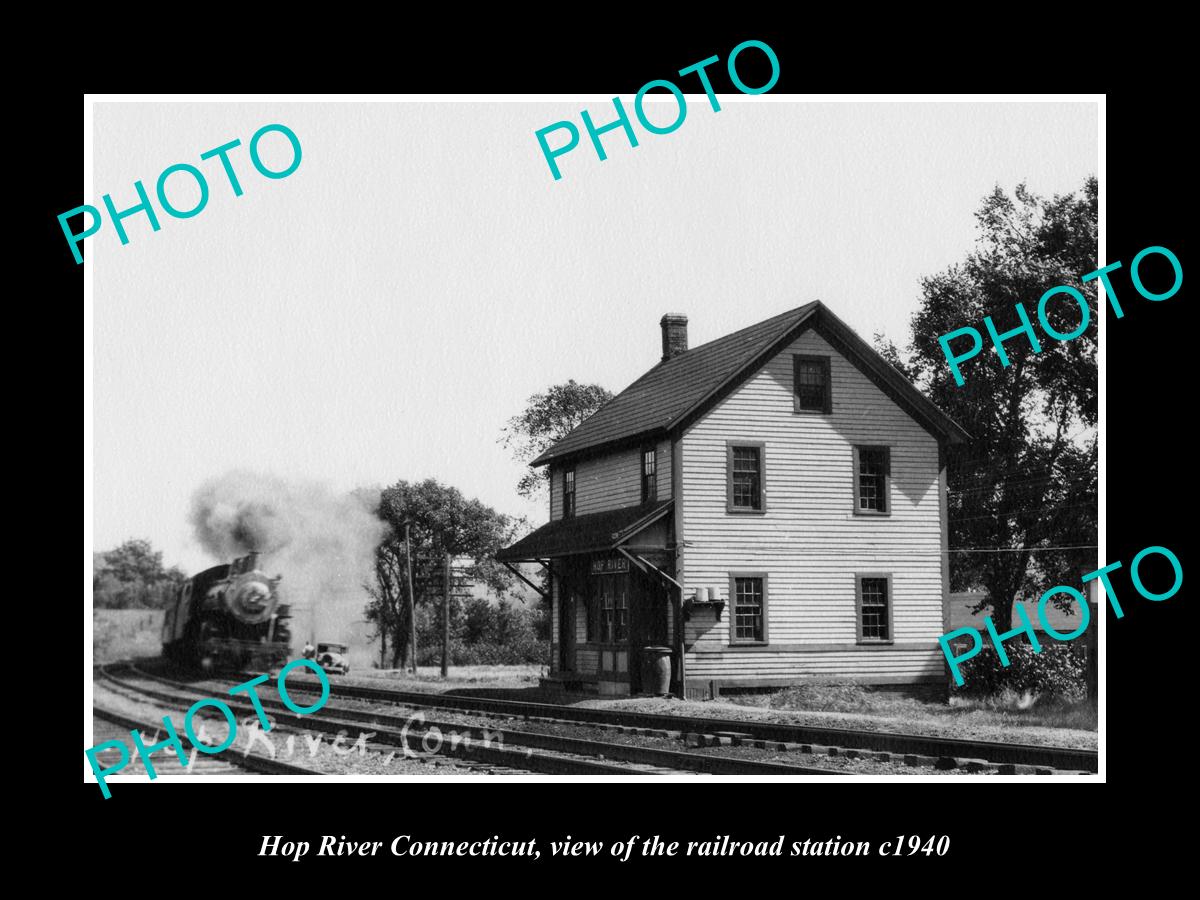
x: 1026, y: 485
x: 132, y: 576
x: 547, y: 419
x: 478, y: 620
x: 441, y: 520
x: 134, y: 560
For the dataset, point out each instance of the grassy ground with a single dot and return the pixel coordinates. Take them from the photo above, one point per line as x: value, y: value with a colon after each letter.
x: 1007, y: 710
x: 460, y: 676
x: 836, y: 705
x: 125, y: 633
x: 848, y: 705
x: 131, y: 633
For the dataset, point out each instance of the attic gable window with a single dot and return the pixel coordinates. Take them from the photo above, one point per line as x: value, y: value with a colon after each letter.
x: 812, y: 391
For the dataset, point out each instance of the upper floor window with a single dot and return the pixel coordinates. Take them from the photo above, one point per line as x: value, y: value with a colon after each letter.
x: 745, y: 478
x: 872, y: 467
x: 812, y: 387
x: 874, y: 608
x: 748, y: 618
x: 568, y: 503
x: 649, y: 475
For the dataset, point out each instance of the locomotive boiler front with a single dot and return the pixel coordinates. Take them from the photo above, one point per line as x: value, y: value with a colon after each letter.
x: 229, y: 615
x: 248, y: 594
x: 250, y: 598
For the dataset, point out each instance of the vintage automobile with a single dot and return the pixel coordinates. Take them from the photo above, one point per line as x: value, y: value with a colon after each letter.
x: 333, y: 658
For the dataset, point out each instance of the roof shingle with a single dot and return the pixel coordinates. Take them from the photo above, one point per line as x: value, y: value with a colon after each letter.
x: 584, y: 534
x: 661, y: 396
x: 681, y: 387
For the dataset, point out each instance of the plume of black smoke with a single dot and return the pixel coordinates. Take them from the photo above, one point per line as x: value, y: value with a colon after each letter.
x: 322, y: 543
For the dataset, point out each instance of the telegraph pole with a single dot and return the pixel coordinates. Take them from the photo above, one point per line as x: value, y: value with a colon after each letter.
x: 446, y: 619
x: 412, y: 614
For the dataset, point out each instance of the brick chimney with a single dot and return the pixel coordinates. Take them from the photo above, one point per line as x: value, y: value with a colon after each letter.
x: 674, y: 335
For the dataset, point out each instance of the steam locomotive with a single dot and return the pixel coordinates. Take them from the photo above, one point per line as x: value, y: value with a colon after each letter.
x: 228, y: 616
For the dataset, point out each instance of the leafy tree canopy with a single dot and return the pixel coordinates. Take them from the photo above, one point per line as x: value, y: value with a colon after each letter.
x: 549, y: 417
x: 441, y: 520
x: 1026, y: 484
x: 132, y: 575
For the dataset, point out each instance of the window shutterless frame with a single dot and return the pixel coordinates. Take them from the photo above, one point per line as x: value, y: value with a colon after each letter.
x: 872, y: 489
x: 886, y: 578
x: 732, y: 607
x: 594, y: 612
x: 620, y: 591
x: 568, y: 489
x: 606, y: 600
x: 758, y: 489
x: 584, y: 601
x: 809, y: 375
x: 649, y: 461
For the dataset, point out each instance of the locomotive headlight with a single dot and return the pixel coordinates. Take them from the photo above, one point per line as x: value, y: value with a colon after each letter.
x: 252, y: 601
x: 255, y: 595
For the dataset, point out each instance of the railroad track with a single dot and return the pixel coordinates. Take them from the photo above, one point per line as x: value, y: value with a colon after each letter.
x: 118, y: 725
x: 178, y: 702
x: 532, y: 751
x: 997, y: 752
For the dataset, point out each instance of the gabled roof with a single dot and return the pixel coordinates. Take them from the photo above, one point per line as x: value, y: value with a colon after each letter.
x: 679, y: 390
x: 585, y: 534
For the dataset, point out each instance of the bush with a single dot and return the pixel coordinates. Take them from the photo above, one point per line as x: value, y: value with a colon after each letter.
x: 484, y: 634
x: 516, y: 653
x: 1058, y: 671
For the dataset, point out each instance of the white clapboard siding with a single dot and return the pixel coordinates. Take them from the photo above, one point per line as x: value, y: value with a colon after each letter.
x: 608, y: 482
x: 555, y: 493
x: 662, y: 463
x: 612, y: 481
x: 555, y: 599
x: 898, y: 662
x: 809, y: 542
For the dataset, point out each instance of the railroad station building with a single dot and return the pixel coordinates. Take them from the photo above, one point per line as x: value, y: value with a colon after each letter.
x: 761, y: 509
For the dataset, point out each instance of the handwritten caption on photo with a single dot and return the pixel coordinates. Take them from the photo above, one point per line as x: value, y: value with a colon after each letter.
x: 198, y: 741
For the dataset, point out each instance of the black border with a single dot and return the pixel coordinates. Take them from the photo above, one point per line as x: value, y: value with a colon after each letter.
x: 218, y: 830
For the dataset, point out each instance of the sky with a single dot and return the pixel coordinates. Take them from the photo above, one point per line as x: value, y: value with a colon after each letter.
x: 381, y: 312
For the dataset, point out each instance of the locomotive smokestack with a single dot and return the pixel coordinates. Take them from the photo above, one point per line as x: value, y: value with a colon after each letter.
x: 251, y: 561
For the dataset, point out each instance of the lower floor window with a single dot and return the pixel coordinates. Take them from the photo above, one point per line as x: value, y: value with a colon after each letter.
x: 621, y: 625
x: 749, y: 618
x: 612, y: 599
x: 874, y: 618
